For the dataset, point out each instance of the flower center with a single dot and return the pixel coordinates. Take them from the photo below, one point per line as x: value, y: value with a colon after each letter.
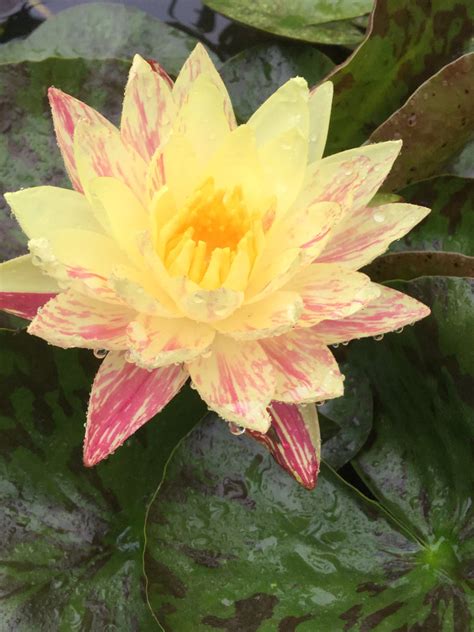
x: 213, y: 239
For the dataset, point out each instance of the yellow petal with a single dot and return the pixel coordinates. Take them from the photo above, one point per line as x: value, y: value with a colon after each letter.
x: 182, y: 169
x: 320, y: 101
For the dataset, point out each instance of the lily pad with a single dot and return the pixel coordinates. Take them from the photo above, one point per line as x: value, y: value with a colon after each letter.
x: 253, y: 75
x: 450, y: 225
x: 408, y: 41
x: 435, y: 124
x: 232, y: 543
x: 107, y: 30
x: 29, y: 155
x: 410, y: 265
x: 72, y: 536
x: 323, y: 22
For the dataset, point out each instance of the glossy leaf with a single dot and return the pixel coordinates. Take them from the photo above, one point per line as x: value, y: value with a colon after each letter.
x: 450, y: 225
x: 28, y: 137
x: 72, y: 536
x: 435, y: 123
x: 106, y: 31
x: 324, y: 22
x: 351, y: 415
x: 234, y: 544
x: 408, y: 41
x: 253, y: 75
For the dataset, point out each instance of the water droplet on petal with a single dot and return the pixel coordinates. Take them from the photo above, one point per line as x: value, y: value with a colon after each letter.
x: 321, y: 403
x: 378, y: 337
x: 36, y: 260
x: 235, y: 429
x: 399, y: 330
x: 335, y: 345
x: 100, y: 353
x: 345, y: 343
x: 378, y: 217
x: 193, y: 386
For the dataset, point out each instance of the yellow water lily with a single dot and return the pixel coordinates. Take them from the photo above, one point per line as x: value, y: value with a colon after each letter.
x: 195, y: 247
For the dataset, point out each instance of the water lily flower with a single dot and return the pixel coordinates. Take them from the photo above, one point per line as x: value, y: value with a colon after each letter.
x: 191, y: 246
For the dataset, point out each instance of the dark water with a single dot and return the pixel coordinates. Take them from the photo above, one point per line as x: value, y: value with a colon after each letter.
x: 19, y: 17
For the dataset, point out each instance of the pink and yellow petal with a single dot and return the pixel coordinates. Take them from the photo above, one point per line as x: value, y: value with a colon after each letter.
x: 24, y: 288
x: 44, y: 210
x: 155, y: 342
x: 101, y: 151
x: 294, y: 441
x: 389, y: 312
x: 350, y: 178
x: 305, y: 369
x: 236, y: 380
x: 320, y: 102
x: 123, y: 398
x: 331, y: 291
x: 199, y: 63
x: 367, y: 233
x: 67, y: 112
x: 271, y: 316
x: 148, y: 109
x: 74, y: 320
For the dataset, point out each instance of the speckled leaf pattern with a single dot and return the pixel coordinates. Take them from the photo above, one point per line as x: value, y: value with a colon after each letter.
x: 253, y: 75
x: 408, y: 41
x: 29, y: 155
x: 435, y: 124
x: 72, y: 536
x: 331, y: 559
x: 107, y: 31
x: 450, y: 225
x: 322, y: 21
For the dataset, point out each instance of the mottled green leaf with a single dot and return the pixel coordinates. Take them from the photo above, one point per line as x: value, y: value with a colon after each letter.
x: 450, y: 225
x: 106, y: 31
x: 29, y: 155
x: 435, y: 124
x: 351, y: 417
x: 70, y: 551
x: 308, y: 20
x: 410, y: 265
x: 253, y: 75
x: 234, y: 544
x: 408, y: 41
x: 463, y: 163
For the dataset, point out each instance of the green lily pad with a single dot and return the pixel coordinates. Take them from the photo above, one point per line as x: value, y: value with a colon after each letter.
x: 435, y: 124
x: 71, y: 543
x: 350, y: 417
x: 450, y: 225
x: 232, y: 543
x: 408, y: 41
x: 323, y: 22
x: 102, y: 30
x: 253, y: 75
x: 29, y: 155
x: 410, y: 265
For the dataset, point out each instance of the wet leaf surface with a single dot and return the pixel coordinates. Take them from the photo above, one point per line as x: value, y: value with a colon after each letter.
x: 71, y: 541
x: 435, y: 124
x: 323, y: 22
x: 407, y: 43
x: 252, y: 76
x: 410, y: 265
x: 106, y: 31
x: 235, y: 544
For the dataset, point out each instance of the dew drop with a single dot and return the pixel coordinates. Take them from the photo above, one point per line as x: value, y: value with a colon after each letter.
x: 345, y: 343
x: 399, y: 330
x: 193, y: 386
x: 378, y: 217
x: 321, y: 403
x: 235, y: 429
x: 36, y: 260
x: 335, y: 345
x: 100, y: 353
x: 378, y: 338
x: 349, y: 172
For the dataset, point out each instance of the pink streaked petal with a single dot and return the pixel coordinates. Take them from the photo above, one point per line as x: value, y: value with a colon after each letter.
x: 23, y: 288
x: 123, y: 398
x: 237, y: 381
x: 294, y: 441
x: 67, y: 111
x: 148, y: 109
x: 331, y: 291
x: 305, y: 369
x: 390, y: 311
x: 156, y: 67
x: 73, y: 320
x: 350, y: 178
x: 199, y: 63
x: 366, y: 233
